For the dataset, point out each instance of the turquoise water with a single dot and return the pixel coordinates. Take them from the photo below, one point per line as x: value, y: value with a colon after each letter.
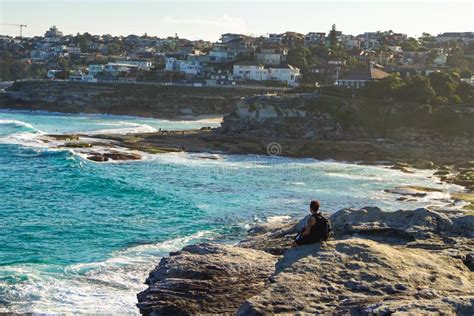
x: 79, y: 236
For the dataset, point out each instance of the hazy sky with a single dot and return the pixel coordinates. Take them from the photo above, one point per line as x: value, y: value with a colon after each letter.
x: 196, y: 19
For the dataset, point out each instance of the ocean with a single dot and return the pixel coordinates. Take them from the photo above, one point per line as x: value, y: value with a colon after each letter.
x: 78, y: 236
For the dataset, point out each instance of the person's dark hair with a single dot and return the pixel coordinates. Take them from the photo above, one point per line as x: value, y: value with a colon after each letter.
x: 314, y: 205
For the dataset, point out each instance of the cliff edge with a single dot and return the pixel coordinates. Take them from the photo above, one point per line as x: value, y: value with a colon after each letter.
x: 414, y: 261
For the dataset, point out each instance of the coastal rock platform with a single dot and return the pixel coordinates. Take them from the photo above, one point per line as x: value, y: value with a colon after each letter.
x: 412, y: 261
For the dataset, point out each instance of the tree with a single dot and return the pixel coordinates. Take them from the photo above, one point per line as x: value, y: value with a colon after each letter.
x: 439, y: 101
x: 418, y: 89
x: 410, y: 45
x: 465, y: 73
x: 333, y: 42
x: 113, y: 48
x: 456, y: 59
x: 427, y: 40
x: 431, y: 56
x: 83, y: 41
x: 442, y: 83
x: 465, y: 91
x: 385, y: 88
x: 298, y: 57
x: 63, y: 63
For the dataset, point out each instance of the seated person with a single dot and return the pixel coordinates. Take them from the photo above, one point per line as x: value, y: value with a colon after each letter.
x: 318, y: 228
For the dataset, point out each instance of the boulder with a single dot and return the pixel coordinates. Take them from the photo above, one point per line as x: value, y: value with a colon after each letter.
x: 205, y: 278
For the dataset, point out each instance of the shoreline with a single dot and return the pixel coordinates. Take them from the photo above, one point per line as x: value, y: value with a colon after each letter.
x: 458, y: 170
x: 202, y: 140
x: 204, y: 118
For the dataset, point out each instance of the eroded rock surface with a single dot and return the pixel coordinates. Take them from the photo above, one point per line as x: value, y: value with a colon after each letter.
x: 361, y: 276
x: 205, y: 278
x: 414, y: 262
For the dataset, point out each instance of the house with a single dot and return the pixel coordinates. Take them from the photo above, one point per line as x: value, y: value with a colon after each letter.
x: 241, y: 46
x: 465, y: 37
x: 79, y: 76
x: 284, y: 73
x: 369, y: 40
x: 220, y: 54
x: 141, y: 64
x: 250, y: 71
x: 188, y: 49
x: 94, y: 69
x: 227, y: 37
x: 258, y: 72
x: 380, y: 57
x: 359, y: 78
x: 190, y: 66
x: 292, y: 39
x: 413, y: 60
x: 273, y: 39
x: 5, y: 42
x: 349, y: 42
x: 221, y: 78
x: 53, y: 32
x: 271, y: 56
x: 329, y: 70
x: 115, y: 69
x: 314, y: 38
x: 73, y: 50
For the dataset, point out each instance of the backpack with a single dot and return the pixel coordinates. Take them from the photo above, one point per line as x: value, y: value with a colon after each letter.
x: 323, y: 227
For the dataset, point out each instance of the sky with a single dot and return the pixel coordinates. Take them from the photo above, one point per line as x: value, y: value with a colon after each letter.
x: 197, y: 19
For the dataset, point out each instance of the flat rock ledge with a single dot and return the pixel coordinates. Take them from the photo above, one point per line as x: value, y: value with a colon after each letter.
x: 406, y: 262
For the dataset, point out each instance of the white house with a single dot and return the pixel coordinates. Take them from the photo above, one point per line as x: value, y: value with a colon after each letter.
x: 250, y: 71
x: 190, y: 66
x: 141, y: 64
x: 116, y: 68
x: 258, y: 72
x: 285, y: 73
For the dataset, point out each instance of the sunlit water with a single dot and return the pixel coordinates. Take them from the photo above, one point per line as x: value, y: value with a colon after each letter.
x: 79, y: 236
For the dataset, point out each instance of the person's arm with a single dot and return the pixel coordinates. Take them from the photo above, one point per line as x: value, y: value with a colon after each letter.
x: 311, y: 223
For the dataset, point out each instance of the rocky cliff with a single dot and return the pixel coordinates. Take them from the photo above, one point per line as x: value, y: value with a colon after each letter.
x: 316, y: 116
x: 414, y: 262
x: 123, y: 99
x: 280, y: 116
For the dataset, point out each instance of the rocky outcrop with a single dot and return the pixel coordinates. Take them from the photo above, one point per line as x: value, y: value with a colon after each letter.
x: 364, y: 277
x: 205, y: 278
x: 122, y: 99
x: 414, y: 262
x: 280, y: 116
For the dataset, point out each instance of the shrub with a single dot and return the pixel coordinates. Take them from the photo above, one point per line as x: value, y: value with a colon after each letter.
x: 439, y: 101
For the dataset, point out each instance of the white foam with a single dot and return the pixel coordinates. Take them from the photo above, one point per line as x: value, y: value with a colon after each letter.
x: 108, y: 287
x: 132, y: 128
x: 278, y: 219
x: 18, y: 123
